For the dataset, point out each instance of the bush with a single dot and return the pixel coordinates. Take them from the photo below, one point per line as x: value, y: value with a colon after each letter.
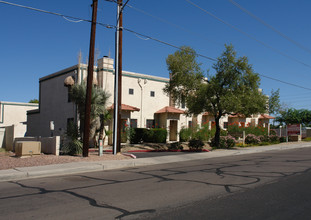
x: 264, y: 138
x: 154, y: 135
x: 203, y: 134
x: 282, y: 139
x: 237, y: 131
x: 159, y: 135
x: 274, y: 139
x: 136, y: 135
x: 195, y: 144
x: 185, y: 134
x: 306, y: 139
x: 272, y: 132
x: 72, y: 144
x: 224, y: 142
x: 252, y: 139
x: 72, y: 147
x: 175, y: 146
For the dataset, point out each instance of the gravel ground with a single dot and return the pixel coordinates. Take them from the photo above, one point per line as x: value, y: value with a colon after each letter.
x: 9, y: 161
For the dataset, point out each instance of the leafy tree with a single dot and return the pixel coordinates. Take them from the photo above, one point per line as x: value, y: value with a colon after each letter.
x: 98, y: 104
x: 34, y: 101
x: 274, y: 102
x: 295, y: 116
x: 233, y: 89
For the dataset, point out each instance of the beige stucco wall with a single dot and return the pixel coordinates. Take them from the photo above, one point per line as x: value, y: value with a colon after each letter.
x: 13, y: 117
x: 14, y: 112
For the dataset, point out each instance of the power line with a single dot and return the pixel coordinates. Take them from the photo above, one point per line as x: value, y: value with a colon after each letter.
x: 268, y: 77
x: 143, y: 35
x: 270, y: 27
x: 44, y: 11
x: 168, y: 44
x: 248, y: 35
x: 171, y: 24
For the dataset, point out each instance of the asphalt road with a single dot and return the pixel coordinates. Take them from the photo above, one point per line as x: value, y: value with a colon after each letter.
x: 271, y: 185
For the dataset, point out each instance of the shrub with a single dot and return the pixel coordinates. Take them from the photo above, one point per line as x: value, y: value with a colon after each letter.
x: 264, y: 138
x: 224, y: 142
x: 136, y: 135
x: 252, y: 139
x: 185, y: 134
x: 272, y: 132
x: 306, y: 139
x: 175, y: 146
x: 72, y: 147
x: 196, y: 144
x: 274, y: 138
x: 203, y: 134
x: 72, y: 144
x: 154, y: 135
x: 159, y: 135
x: 237, y: 131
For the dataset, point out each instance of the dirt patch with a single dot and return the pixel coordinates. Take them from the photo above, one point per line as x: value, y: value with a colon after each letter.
x: 9, y: 161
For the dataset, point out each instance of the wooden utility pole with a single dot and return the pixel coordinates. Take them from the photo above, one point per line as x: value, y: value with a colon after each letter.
x: 118, y: 82
x: 87, y: 118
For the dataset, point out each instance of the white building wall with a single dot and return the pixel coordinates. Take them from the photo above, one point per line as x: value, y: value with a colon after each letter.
x: 54, y: 105
x: 13, y: 113
x: 13, y: 117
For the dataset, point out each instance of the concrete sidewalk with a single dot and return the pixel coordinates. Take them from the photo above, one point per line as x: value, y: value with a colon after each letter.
x: 81, y: 167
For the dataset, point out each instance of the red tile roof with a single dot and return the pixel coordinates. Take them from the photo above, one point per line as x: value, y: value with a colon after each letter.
x: 264, y: 116
x: 125, y: 108
x: 170, y: 109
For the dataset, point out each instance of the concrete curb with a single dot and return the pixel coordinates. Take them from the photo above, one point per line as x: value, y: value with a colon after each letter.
x: 82, y: 167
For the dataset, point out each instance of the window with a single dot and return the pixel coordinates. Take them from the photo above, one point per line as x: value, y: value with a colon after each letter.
x: 152, y: 93
x: 133, y: 123
x: 150, y: 123
x: 131, y: 91
x: 183, y: 104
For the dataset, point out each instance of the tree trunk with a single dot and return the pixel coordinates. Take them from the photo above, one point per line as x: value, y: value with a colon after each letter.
x: 217, y: 133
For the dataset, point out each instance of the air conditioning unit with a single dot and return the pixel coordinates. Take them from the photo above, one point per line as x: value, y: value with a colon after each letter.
x: 27, y: 148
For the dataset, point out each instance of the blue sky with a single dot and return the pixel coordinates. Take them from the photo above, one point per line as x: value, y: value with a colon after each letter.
x: 35, y: 44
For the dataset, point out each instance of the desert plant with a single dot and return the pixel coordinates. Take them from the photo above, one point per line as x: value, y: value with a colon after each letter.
x: 196, y: 144
x: 72, y: 144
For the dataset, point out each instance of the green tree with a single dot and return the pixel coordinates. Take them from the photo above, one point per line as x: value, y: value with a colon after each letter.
x: 234, y: 88
x: 34, y: 101
x: 274, y: 102
x: 98, y: 106
x: 295, y: 116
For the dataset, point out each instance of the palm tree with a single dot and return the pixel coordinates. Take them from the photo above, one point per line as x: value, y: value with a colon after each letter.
x: 98, y: 106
